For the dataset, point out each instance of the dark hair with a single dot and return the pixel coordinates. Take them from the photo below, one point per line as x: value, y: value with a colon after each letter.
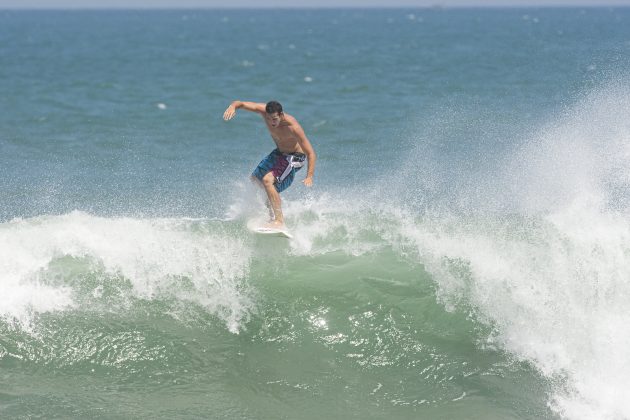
x: 273, y: 107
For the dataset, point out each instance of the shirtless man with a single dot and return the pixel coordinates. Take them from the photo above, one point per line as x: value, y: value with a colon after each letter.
x: 276, y: 172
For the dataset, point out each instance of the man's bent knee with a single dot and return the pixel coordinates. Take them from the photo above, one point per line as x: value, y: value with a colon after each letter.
x: 268, y: 180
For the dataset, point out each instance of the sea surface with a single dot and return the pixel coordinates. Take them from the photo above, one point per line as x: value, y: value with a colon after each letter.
x: 464, y: 252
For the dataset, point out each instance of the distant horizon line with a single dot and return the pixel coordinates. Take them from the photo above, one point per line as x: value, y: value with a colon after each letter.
x: 294, y: 7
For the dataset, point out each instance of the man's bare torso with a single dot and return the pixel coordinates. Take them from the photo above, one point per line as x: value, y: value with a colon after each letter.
x: 283, y: 135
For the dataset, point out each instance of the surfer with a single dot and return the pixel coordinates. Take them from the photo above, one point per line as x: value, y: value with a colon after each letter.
x: 276, y: 171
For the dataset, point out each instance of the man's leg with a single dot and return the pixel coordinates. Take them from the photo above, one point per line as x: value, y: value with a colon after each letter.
x: 259, y: 184
x: 268, y: 182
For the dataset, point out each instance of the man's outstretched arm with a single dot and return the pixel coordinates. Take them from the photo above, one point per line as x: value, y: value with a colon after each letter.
x: 248, y: 106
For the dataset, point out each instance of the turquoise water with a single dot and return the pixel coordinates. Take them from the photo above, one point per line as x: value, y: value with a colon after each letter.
x: 463, y: 253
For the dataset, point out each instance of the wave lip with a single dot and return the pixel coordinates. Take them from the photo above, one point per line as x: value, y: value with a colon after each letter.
x: 553, y: 289
x: 193, y: 261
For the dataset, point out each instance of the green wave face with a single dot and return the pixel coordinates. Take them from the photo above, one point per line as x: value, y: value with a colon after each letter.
x: 178, y: 317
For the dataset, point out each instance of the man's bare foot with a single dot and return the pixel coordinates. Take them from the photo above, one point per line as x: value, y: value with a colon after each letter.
x: 275, y: 224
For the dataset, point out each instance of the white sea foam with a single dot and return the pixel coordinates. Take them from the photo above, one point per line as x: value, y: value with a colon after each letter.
x: 557, y: 295
x: 151, y: 254
x: 552, y: 276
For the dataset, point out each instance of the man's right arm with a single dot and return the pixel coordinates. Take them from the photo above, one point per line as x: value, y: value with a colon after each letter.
x: 248, y: 106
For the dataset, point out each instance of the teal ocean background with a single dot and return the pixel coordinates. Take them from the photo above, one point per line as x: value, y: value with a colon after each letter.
x: 464, y: 252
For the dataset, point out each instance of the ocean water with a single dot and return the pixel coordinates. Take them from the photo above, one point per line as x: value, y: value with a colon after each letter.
x: 464, y: 252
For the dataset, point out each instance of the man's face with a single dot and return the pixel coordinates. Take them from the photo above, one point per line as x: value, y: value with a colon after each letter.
x: 274, y: 119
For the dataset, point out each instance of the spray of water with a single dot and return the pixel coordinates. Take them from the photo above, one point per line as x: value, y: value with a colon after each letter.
x: 542, y: 253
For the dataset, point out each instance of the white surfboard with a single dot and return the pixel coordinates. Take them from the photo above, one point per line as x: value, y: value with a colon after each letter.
x: 258, y: 226
x: 272, y: 232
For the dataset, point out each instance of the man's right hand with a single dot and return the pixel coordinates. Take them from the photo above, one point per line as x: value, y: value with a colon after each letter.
x: 229, y: 112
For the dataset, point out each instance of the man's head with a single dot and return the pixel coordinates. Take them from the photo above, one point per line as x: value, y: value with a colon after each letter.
x: 274, y: 113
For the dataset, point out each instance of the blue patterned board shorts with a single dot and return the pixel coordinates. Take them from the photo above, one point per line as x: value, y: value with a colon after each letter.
x: 282, y: 165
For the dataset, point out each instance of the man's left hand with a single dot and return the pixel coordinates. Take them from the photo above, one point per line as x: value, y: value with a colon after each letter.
x: 308, y: 181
